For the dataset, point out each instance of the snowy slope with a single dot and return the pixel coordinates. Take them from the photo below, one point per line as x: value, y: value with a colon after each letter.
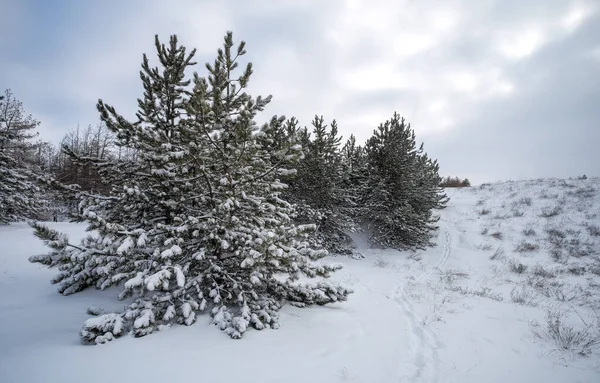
x: 448, y: 314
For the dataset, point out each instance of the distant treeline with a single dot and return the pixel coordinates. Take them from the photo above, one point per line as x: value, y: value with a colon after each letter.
x: 454, y: 182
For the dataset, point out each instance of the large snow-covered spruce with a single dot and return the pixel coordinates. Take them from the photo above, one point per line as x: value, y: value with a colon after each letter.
x: 197, y: 221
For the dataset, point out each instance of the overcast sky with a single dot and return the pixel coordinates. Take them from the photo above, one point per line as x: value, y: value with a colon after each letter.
x: 497, y: 89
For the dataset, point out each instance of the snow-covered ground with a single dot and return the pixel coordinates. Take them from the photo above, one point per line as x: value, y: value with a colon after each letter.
x: 472, y: 309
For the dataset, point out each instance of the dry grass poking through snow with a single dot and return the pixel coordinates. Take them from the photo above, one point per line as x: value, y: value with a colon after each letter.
x: 516, y: 266
x: 558, y: 222
x: 524, y: 296
x: 546, y: 233
x: 380, y: 262
x: 498, y: 254
x: 580, y: 339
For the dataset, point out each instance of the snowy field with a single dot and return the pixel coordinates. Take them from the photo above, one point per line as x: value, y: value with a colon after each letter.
x: 511, y: 293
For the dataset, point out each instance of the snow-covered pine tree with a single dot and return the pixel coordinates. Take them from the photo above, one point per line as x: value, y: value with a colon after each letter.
x: 196, y: 222
x: 21, y: 189
x: 403, y: 188
x: 317, y: 188
x: 354, y: 178
x: 429, y: 195
x: 255, y: 238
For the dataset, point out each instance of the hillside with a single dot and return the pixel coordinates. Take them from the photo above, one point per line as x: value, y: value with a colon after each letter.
x: 511, y: 293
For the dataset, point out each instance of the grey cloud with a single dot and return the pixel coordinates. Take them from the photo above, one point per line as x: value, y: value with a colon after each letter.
x: 546, y: 127
x: 517, y: 11
x: 550, y: 127
x: 392, y: 100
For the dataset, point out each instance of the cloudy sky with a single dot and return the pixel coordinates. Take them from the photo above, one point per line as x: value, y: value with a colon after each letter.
x: 497, y: 89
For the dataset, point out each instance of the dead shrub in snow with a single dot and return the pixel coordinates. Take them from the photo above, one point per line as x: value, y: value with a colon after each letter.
x: 484, y: 231
x: 595, y: 268
x: 576, y: 269
x: 536, y: 282
x: 576, y: 248
x: 484, y: 292
x: 540, y: 271
x: 517, y: 213
x: 562, y: 292
x: 555, y: 235
x: 525, y: 246
x: 380, y: 262
x: 583, y: 192
x: 581, y: 206
x: 573, y: 232
x: 484, y: 247
x: 582, y: 340
x: 498, y: 254
x: 558, y: 255
x: 548, y: 212
x: 498, y: 235
x: 593, y: 230
x: 450, y: 276
x: 524, y: 297
x: 528, y: 232
x: 516, y: 266
x: 565, y: 184
x: 525, y: 201
x: 544, y: 195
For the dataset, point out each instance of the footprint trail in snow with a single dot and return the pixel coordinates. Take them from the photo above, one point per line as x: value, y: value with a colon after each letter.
x: 423, y: 341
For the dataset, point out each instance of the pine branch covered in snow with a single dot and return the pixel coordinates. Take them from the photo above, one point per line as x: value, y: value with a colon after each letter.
x: 197, y: 222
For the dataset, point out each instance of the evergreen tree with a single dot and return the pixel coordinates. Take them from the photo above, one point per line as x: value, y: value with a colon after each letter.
x: 403, y: 188
x: 21, y: 191
x: 318, y: 188
x: 196, y: 221
x: 354, y: 178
